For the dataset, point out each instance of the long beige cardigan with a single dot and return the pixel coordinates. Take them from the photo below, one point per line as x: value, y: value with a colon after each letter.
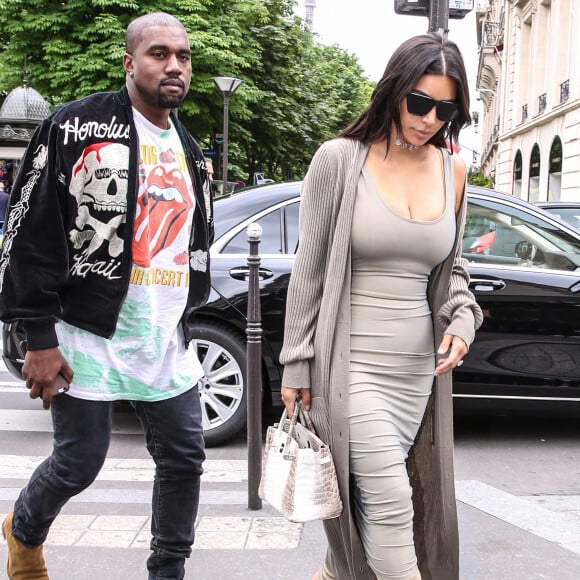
x: 316, y: 355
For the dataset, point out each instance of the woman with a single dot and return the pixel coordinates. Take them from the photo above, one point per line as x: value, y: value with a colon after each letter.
x: 379, y: 312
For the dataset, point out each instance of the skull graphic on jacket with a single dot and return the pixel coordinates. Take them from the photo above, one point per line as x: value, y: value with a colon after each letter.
x: 99, y: 184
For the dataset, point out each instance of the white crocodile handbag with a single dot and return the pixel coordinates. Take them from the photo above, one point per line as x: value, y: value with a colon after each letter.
x: 298, y: 474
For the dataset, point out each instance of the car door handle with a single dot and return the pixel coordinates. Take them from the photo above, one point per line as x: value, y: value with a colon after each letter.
x: 486, y: 285
x: 243, y: 273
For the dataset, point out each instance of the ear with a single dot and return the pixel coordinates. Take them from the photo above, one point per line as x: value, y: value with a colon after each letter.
x: 128, y: 63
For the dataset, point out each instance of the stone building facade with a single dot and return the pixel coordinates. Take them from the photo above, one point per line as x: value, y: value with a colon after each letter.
x: 529, y: 83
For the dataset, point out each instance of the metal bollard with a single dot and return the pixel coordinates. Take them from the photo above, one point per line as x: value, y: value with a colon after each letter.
x: 254, y: 370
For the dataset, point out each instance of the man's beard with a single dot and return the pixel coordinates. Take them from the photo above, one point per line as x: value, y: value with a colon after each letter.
x: 166, y: 102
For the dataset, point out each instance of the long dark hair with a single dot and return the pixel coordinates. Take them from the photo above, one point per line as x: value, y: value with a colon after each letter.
x: 417, y: 56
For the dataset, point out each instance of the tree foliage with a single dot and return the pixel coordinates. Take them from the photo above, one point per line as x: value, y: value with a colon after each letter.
x: 477, y: 177
x: 296, y: 92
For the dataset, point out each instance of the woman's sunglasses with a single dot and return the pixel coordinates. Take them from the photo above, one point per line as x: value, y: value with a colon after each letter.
x: 420, y: 104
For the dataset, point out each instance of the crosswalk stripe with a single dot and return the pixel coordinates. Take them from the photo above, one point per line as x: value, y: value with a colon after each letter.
x: 11, y: 383
x: 559, y: 527
x: 130, y: 470
x: 19, y: 420
x: 136, y: 496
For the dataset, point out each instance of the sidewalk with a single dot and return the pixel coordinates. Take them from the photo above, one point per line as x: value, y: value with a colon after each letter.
x: 235, y: 543
x: 103, y: 534
x: 232, y: 542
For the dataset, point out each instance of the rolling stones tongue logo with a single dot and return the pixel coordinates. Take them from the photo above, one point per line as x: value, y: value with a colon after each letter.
x: 162, y: 212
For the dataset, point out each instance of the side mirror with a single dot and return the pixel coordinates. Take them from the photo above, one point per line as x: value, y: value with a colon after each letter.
x: 526, y: 250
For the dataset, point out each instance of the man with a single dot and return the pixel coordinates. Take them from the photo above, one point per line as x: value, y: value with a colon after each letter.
x: 4, y: 197
x: 209, y: 168
x: 108, y: 237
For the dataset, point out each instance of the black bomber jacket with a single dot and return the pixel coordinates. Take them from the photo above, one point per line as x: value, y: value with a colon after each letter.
x: 66, y: 253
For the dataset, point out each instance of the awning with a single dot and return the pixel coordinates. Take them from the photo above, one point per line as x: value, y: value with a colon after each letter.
x: 11, y: 152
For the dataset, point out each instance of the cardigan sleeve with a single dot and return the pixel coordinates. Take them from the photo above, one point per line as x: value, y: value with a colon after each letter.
x: 319, y: 191
x: 460, y: 314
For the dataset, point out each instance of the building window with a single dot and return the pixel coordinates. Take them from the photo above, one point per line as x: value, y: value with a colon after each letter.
x: 534, y: 181
x: 542, y: 100
x: 517, y: 181
x: 564, y: 91
x: 524, y: 113
x: 555, y: 171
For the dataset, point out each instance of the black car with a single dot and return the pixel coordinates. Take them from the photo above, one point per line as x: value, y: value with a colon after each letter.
x: 569, y: 211
x: 525, y: 273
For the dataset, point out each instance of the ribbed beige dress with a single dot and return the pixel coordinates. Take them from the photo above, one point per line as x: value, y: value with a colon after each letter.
x: 316, y: 354
x: 392, y: 359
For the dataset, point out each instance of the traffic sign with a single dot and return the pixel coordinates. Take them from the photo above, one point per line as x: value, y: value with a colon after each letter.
x: 457, y: 8
x: 210, y: 152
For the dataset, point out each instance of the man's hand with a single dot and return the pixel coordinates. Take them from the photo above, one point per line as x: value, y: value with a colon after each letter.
x: 46, y: 372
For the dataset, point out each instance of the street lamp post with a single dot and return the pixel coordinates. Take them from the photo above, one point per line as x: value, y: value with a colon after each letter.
x: 226, y: 86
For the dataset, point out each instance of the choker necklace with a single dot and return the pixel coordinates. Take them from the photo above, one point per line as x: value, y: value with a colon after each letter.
x: 403, y: 144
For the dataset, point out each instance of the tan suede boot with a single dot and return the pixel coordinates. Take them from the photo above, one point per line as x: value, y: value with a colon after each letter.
x: 24, y: 563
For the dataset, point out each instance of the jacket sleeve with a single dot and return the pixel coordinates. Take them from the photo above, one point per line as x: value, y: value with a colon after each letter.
x: 34, y: 258
x: 309, y: 270
x: 201, y: 183
x: 460, y: 314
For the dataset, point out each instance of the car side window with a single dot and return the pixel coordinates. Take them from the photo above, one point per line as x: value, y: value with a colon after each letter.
x: 291, y: 217
x: 501, y: 234
x: 271, y: 242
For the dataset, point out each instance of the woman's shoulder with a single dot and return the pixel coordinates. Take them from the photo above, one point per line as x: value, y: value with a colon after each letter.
x: 334, y: 154
x: 460, y: 171
x: 454, y: 158
x: 460, y: 174
x: 455, y: 163
x: 340, y: 146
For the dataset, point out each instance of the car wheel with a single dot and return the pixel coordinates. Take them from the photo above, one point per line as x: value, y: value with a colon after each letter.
x: 222, y: 390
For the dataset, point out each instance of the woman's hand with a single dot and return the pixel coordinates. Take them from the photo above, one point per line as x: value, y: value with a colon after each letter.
x: 289, y: 398
x: 451, y: 352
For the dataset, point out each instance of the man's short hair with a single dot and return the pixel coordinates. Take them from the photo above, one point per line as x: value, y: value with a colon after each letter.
x: 136, y: 27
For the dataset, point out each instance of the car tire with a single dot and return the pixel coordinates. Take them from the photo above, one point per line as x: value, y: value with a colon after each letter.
x: 222, y: 390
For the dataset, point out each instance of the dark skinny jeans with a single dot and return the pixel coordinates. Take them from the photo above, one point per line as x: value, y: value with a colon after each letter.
x: 82, y: 433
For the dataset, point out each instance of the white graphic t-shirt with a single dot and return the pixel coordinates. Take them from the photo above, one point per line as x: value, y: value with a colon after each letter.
x: 146, y: 358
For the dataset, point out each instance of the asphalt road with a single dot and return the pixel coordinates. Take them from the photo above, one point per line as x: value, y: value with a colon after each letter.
x: 517, y: 481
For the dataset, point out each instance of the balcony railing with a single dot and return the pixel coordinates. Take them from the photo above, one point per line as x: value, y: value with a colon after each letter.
x: 524, y: 113
x: 542, y: 101
x: 492, y: 34
x: 492, y: 140
x: 564, y: 91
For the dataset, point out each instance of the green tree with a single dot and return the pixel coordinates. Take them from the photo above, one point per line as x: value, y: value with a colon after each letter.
x: 477, y: 177
x: 296, y: 92
x: 73, y: 48
x: 307, y: 93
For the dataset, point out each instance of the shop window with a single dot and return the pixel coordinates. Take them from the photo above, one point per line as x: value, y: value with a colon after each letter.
x: 555, y: 171
x: 534, y: 181
x: 517, y: 177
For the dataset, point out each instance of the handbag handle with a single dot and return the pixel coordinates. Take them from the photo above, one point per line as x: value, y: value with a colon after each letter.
x: 305, y: 418
x: 299, y: 412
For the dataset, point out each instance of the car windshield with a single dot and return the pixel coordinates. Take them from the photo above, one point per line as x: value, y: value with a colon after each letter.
x: 568, y: 214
